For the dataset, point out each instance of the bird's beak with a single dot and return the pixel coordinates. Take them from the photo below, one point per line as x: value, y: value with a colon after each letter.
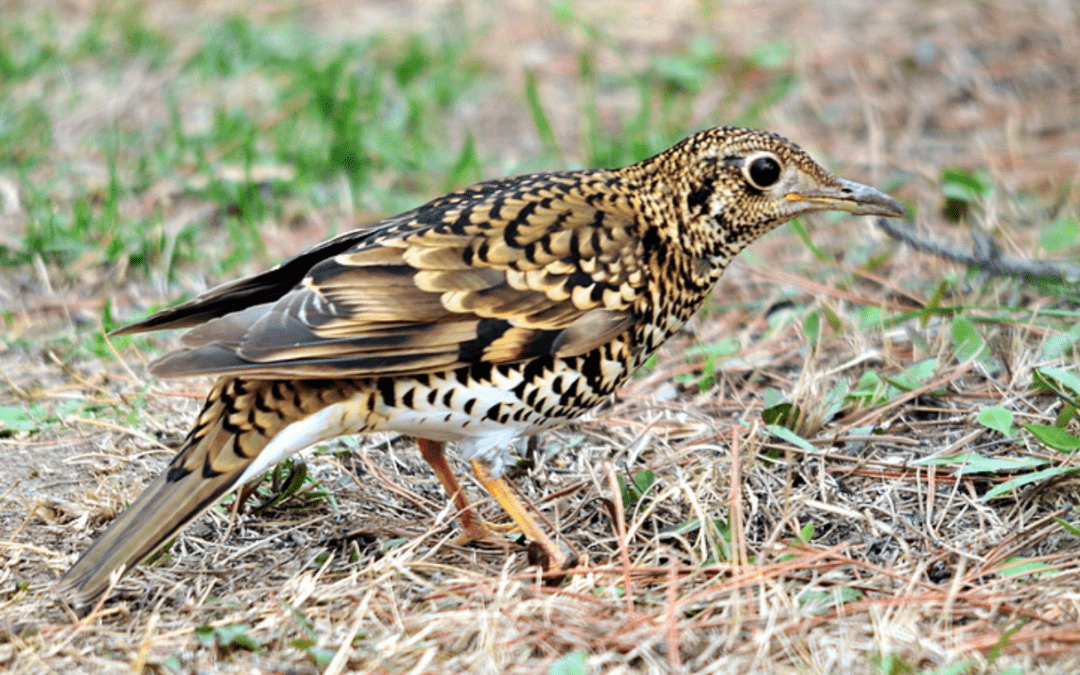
x: 856, y: 198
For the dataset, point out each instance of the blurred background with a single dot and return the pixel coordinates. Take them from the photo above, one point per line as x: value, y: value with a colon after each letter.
x: 138, y: 138
x: 151, y: 150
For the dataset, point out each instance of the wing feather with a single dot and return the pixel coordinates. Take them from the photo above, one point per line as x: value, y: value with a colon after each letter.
x: 496, y: 274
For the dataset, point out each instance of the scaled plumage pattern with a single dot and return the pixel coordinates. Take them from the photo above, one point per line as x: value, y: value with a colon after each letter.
x: 486, y: 315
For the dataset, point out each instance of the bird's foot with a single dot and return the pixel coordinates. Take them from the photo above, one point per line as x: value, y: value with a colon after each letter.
x: 475, y: 529
x: 552, y: 560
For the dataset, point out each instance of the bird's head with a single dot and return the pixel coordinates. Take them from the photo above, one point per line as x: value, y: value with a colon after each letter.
x: 732, y: 185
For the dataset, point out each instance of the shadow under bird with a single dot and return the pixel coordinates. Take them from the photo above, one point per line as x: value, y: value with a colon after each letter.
x: 486, y: 315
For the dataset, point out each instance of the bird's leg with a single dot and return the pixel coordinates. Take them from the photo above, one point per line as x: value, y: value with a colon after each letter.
x: 553, y: 557
x: 473, y: 527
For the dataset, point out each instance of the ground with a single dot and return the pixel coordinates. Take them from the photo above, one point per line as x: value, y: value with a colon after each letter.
x: 859, y: 458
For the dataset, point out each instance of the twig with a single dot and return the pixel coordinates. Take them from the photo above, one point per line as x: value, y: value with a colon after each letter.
x: 620, y: 530
x: 984, y: 255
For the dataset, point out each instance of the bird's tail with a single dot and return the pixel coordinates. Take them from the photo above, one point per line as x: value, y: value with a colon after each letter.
x: 227, y: 446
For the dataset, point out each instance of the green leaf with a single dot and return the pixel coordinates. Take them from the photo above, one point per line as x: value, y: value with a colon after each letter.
x: 682, y: 72
x: 205, y: 635
x: 771, y: 397
x: 923, y: 370
x: 969, y: 462
x: 771, y: 54
x: 1060, y: 235
x: 1065, y: 378
x: 229, y: 636
x: 835, y: 400
x: 965, y: 187
x: 832, y: 318
x: 1034, y: 477
x: 868, y: 389
x: 967, y: 342
x: 903, y: 381
x: 870, y: 317
x: 644, y: 480
x: 958, y: 668
x: 1065, y: 415
x: 1022, y: 567
x: 812, y: 328
x: 1055, y: 345
x: 286, y: 479
x: 574, y: 663
x: 234, y: 635
x: 414, y: 63
x: 1054, y: 437
x: 14, y: 418
x: 912, y: 377
x: 321, y: 655
x: 633, y: 491
x: 999, y: 419
x: 303, y: 644
x: 826, y: 600
x: 782, y: 414
x: 1069, y: 527
x: 791, y: 437
x: 933, y: 303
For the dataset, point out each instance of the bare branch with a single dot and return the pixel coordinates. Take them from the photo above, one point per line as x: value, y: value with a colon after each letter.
x: 985, y: 255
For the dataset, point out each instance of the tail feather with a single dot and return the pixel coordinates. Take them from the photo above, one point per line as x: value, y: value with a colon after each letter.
x: 165, y: 508
x: 227, y: 446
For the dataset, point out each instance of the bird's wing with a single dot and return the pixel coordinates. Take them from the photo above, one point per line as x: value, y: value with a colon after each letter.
x: 498, y: 273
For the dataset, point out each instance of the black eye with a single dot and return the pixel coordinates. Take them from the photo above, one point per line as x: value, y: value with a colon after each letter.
x: 764, y: 172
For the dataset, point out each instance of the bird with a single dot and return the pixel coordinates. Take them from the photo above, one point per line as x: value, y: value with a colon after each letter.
x: 482, y: 317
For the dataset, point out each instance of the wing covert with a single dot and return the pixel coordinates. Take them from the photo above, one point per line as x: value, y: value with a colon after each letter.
x: 503, y: 276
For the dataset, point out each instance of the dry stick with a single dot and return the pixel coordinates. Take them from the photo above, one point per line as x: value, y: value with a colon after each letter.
x: 7, y: 494
x: 409, y: 496
x: 894, y: 289
x: 620, y: 529
x: 735, y: 504
x: 818, y: 289
x: 973, y: 597
x: 952, y: 591
x: 738, y: 532
x: 931, y: 491
x: 117, y: 356
x: 985, y: 255
x: 741, y: 578
x: 924, y: 600
x: 671, y: 632
x: 112, y: 426
x: 138, y: 663
x: 1020, y: 540
x: 1023, y: 636
x: 341, y: 656
x: 865, y: 418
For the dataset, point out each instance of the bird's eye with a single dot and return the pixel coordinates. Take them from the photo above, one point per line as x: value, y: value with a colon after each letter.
x: 763, y: 172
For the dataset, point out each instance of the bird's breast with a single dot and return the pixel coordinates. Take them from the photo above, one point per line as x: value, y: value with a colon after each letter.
x: 483, y: 408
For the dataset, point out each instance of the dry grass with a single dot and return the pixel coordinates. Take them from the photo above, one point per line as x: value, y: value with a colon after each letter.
x: 903, y: 561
